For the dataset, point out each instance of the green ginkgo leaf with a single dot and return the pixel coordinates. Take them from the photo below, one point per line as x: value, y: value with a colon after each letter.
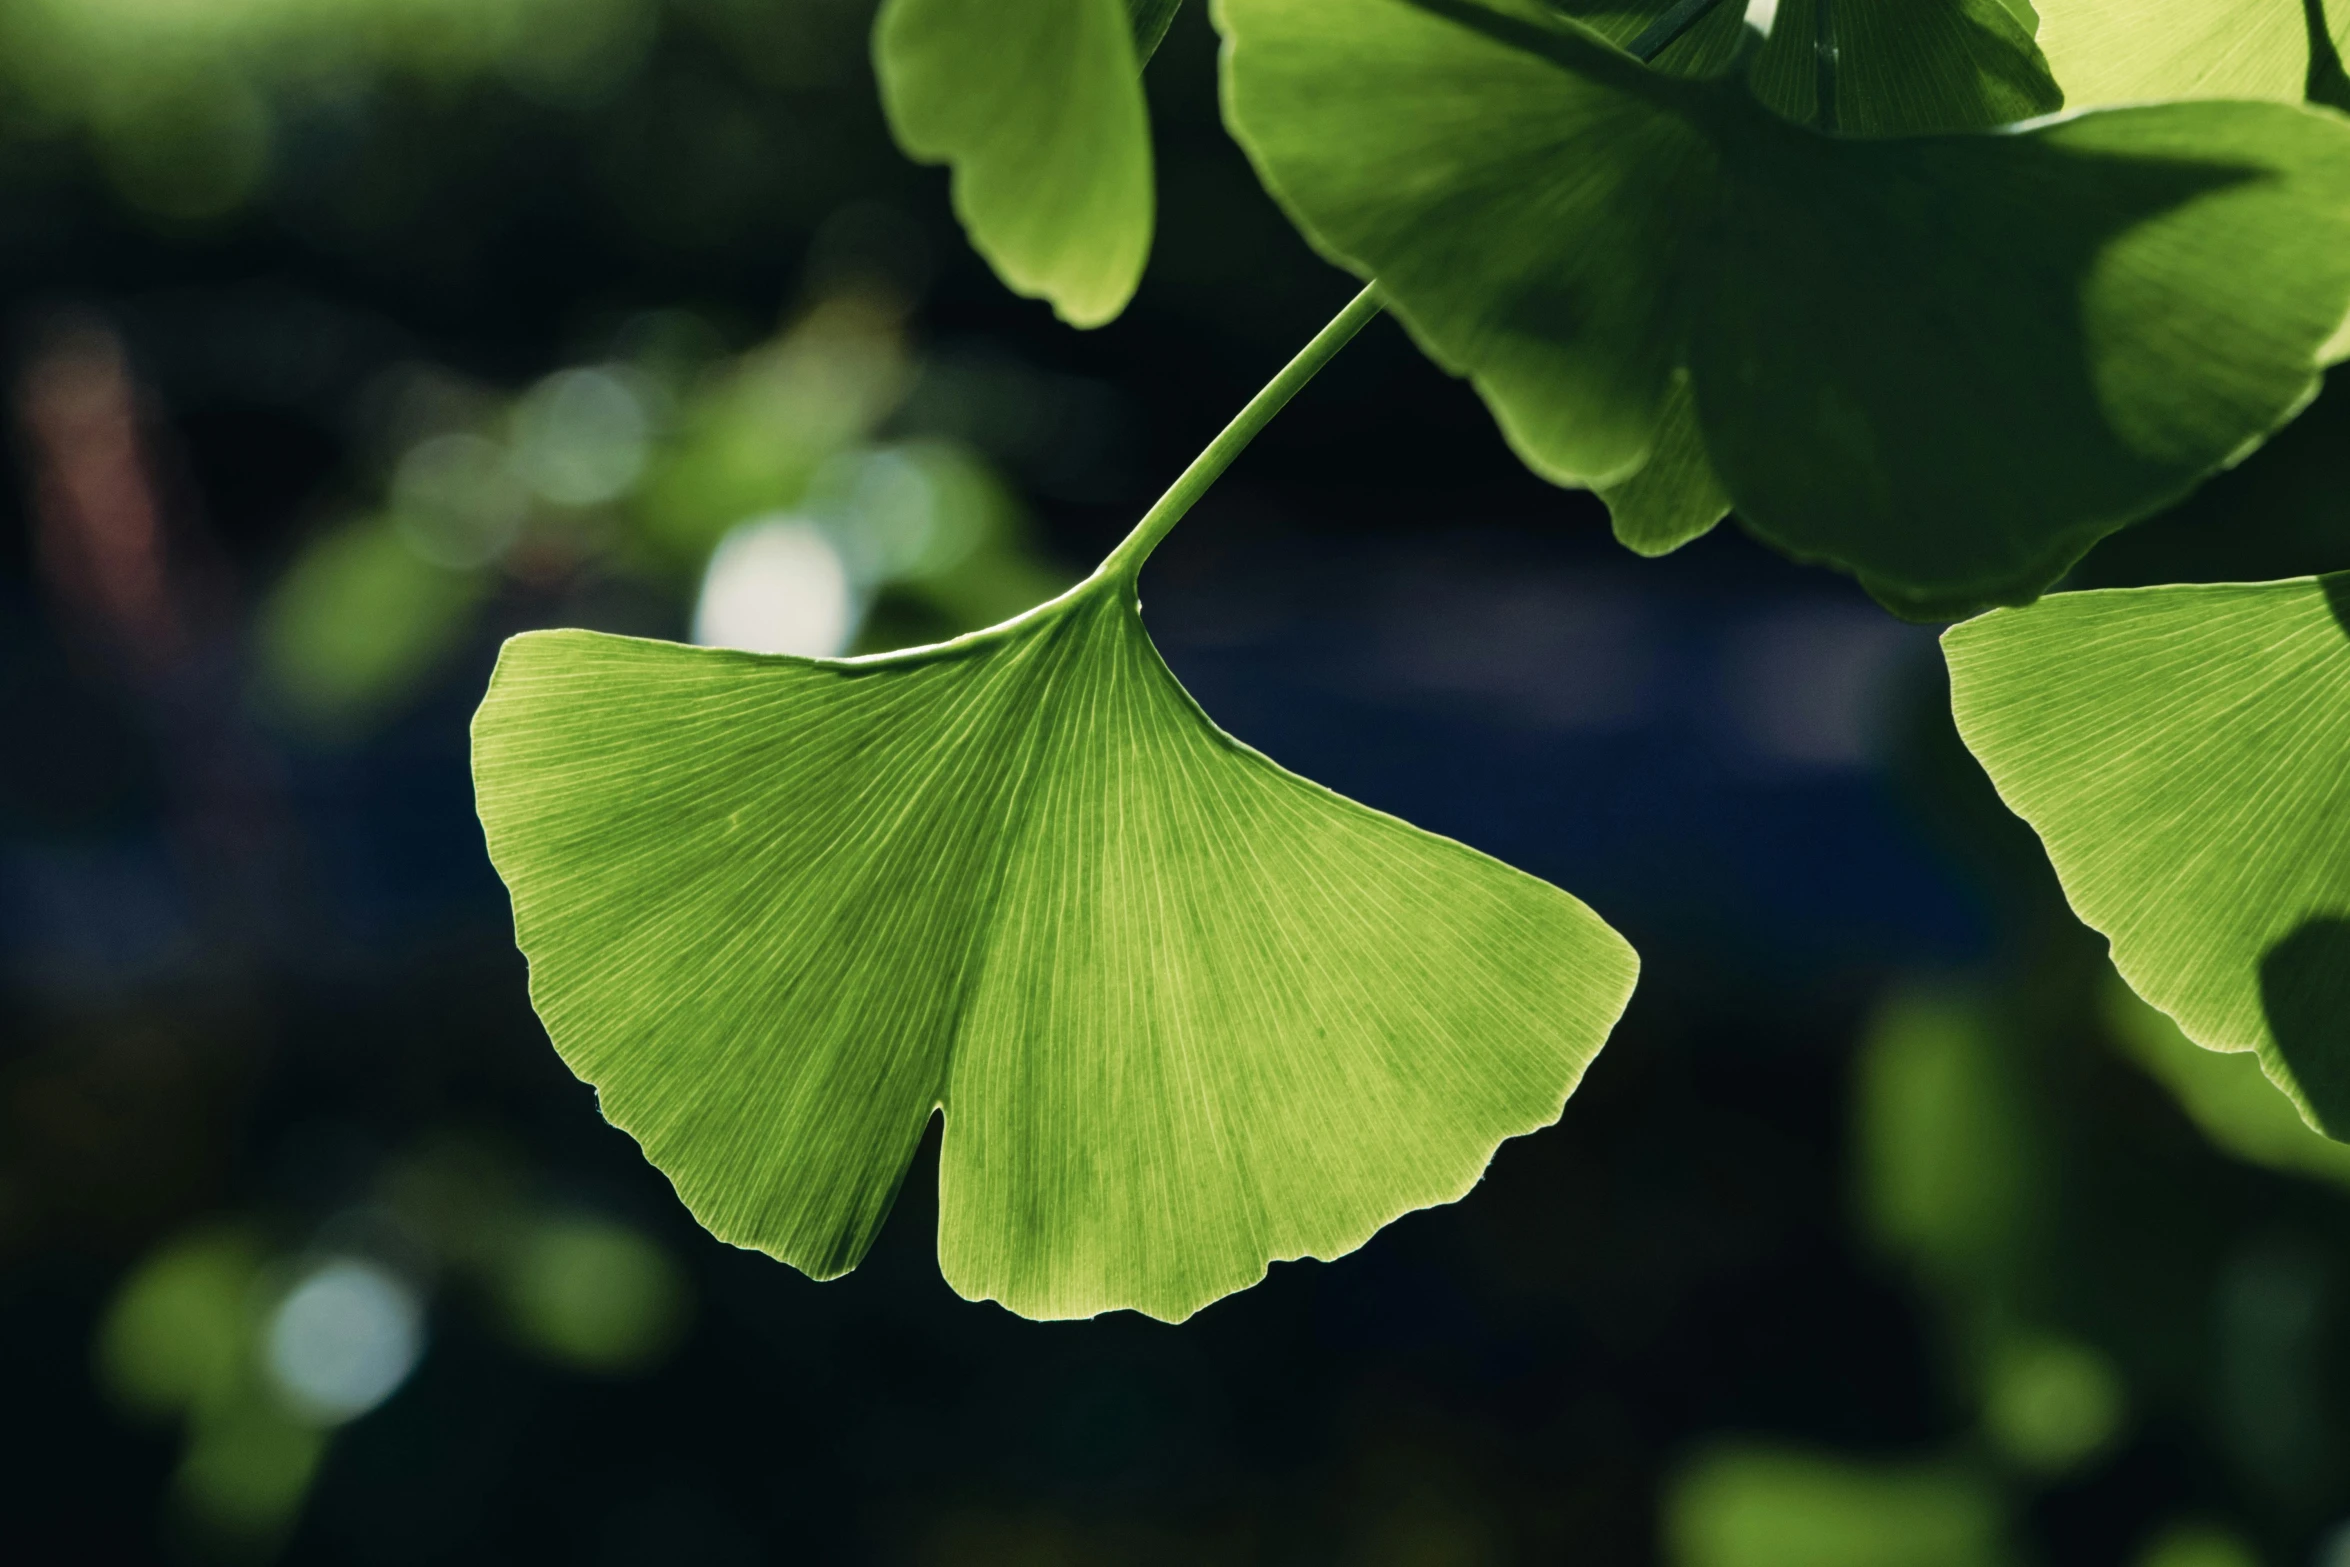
x: 2132, y: 51
x: 1948, y: 363
x: 1675, y: 495
x: 1906, y: 67
x: 1037, y: 105
x: 1150, y: 20
x: 1184, y: 1012
x: 2184, y: 753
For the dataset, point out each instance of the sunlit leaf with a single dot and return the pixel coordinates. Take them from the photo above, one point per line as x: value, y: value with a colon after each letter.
x: 1038, y: 106
x: 1150, y: 20
x: 2182, y: 752
x: 1185, y: 1013
x: 2127, y: 51
x: 1946, y: 363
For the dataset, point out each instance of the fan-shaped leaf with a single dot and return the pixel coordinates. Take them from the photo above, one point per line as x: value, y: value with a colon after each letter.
x: 2129, y: 51
x: 1038, y: 106
x: 1675, y: 495
x: 1906, y: 67
x: 1184, y: 1012
x: 2184, y: 752
x: 1947, y: 363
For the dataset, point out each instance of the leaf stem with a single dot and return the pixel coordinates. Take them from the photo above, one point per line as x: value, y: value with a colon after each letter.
x: 1126, y: 560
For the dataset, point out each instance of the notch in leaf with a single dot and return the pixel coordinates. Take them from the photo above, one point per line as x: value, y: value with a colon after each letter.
x: 1038, y: 107
x: 2184, y: 753
x: 1184, y: 1012
x: 1945, y: 363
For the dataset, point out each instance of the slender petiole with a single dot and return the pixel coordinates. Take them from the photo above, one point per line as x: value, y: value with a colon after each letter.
x: 1126, y: 560
x: 1209, y: 465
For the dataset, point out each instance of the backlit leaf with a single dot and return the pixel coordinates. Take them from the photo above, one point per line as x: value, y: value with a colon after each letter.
x: 2184, y: 753
x: 1184, y: 1012
x: 2127, y: 51
x: 1037, y: 105
x: 1150, y: 20
x: 1945, y: 363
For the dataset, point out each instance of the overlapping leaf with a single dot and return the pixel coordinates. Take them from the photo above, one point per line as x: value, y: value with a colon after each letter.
x: 1946, y: 363
x: 1184, y: 1012
x: 1905, y: 67
x: 2184, y: 753
x: 2130, y: 51
x: 1038, y: 106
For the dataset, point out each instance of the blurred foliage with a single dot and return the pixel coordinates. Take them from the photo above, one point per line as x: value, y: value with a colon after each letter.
x: 2229, y: 1096
x: 594, y: 1294
x: 261, y: 1349
x: 642, y: 467
x: 189, y: 106
x: 2199, y: 1545
x: 184, y: 1340
x: 2124, y: 1266
x: 1767, y: 1507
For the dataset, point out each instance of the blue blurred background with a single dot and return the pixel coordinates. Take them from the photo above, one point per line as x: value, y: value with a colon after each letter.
x: 344, y: 338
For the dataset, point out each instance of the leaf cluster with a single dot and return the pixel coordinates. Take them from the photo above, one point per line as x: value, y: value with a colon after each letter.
x: 1846, y: 276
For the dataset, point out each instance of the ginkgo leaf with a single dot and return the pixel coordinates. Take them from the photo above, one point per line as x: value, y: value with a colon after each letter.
x: 1150, y: 20
x: 1704, y: 48
x: 1674, y: 496
x: 1184, y: 1012
x: 2130, y: 51
x: 1946, y: 363
x: 1906, y: 67
x: 1038, y: 106
x: 2184, y: 753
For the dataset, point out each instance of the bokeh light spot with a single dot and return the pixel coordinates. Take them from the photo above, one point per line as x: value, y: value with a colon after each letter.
x: 595, y: 1294
x: 344, y: 1339
x: 580, y: 437
x: 777, y: 585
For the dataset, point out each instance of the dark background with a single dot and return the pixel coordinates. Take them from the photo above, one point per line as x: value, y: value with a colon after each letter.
x: 250, y: 964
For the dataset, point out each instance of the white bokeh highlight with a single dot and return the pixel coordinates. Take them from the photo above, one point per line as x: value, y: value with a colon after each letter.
x: 344, y: 1339
x: 777, y: 584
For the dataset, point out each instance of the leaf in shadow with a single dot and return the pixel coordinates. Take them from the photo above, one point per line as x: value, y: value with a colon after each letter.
x: 1948, y: 364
